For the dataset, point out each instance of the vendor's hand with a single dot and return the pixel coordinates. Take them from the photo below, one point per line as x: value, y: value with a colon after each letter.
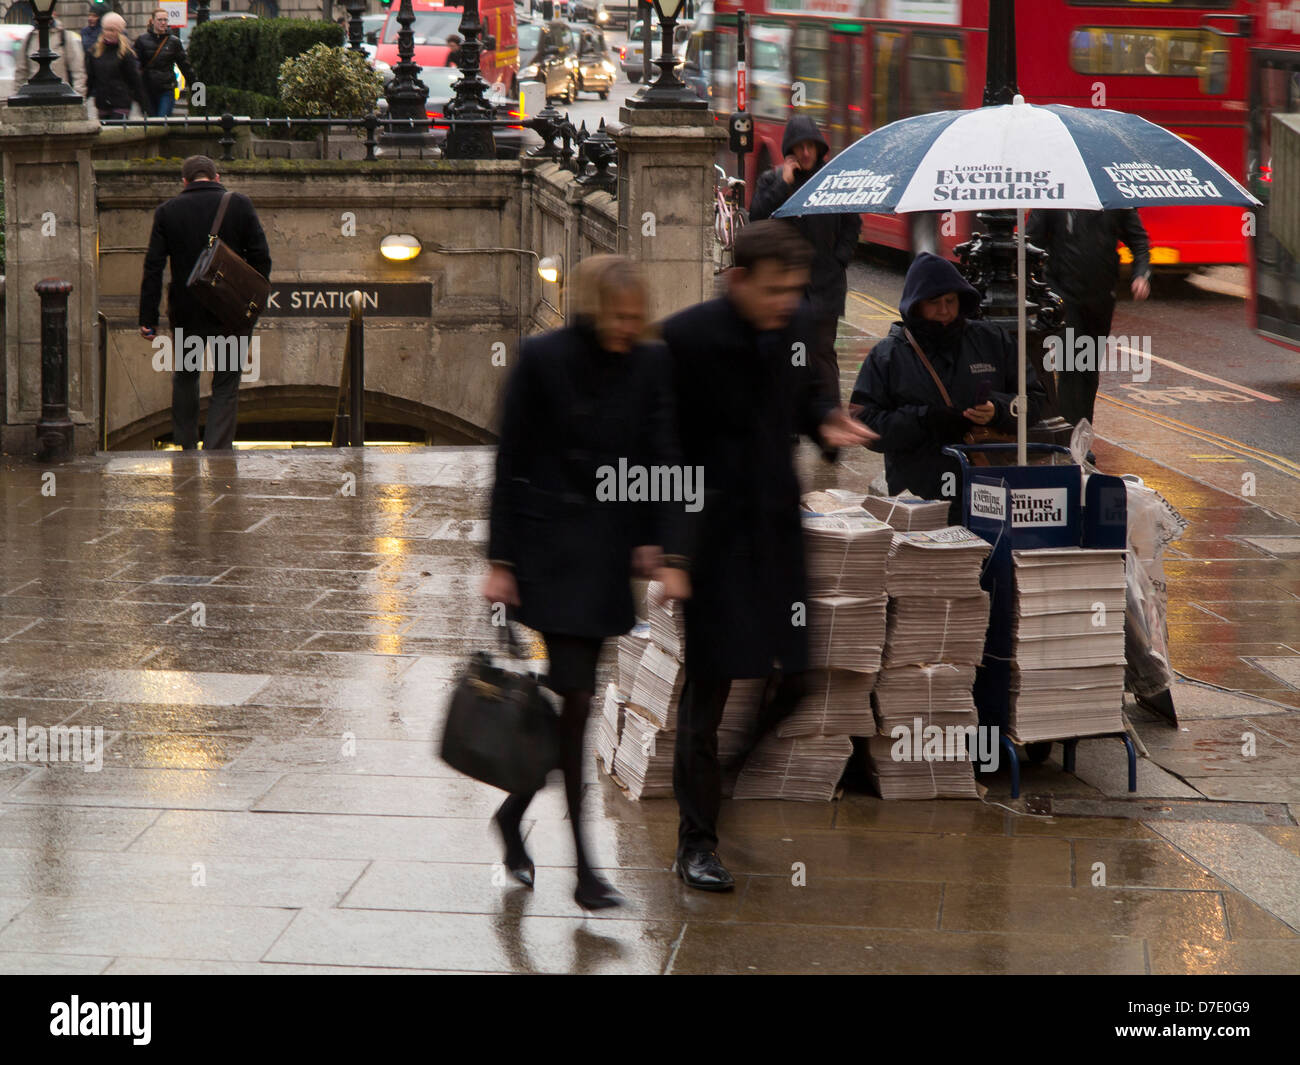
x: 676, y: 585
x: 981, y: 415
x: 839, y: 430
x: 788, y: 169
x: 1141, y: 288
x: 500, y: 586
x: 645, y: 560
x: 148, y: 332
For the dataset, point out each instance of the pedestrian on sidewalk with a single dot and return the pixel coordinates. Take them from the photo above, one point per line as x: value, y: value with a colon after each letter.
x: 113, y: 72
x: 160, y: 52
x: 180, y: 233
x: 69, y: 67
x: 581, y: 400
x: 90, y: 31
x: 897, y: 395
x: 741, y: 395
x: 834, y: 239
x: 1083, y: 267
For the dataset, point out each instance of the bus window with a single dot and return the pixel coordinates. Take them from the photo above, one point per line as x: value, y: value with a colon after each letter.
x: 1116, y: 50
x: 936, y: 74
x: 887, y: 82
x: 769, y: 51
x: 724, y: 71
x: 810, y: 71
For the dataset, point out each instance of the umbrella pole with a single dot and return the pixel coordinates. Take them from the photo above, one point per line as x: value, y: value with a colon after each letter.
x: 1022, y: 416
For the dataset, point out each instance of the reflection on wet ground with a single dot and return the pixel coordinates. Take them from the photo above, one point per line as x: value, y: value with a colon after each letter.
x: 267, y: 640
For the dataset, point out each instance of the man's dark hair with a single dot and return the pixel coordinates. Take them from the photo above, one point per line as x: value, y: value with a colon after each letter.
x: 198, y: 166
x: 775, y: 240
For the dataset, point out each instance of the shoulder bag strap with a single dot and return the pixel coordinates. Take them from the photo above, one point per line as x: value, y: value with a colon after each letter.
x: 947, y: 400
x: 161, y: 46
x: 221, y: 214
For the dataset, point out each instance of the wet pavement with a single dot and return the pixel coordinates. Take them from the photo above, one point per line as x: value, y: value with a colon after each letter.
x: 269, y: 655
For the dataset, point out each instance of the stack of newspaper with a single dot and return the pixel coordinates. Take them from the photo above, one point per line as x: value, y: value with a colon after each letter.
x: 832, y: 500
x: 939, y: 694
x: 838, y: 703
x: 807, y: 769
x: 739, y: 714
x: 609, y: 725
x: 900, y: 768
x: 923, y: 629
x: 631, y: 646
x: 644, y: 760
x: 657, y: 687
x: 943, y: 563
x: 1068, y: 643
x: 846, y: 632
x: 846, y: 553
x: 907, y: 513
x: 667, y: 622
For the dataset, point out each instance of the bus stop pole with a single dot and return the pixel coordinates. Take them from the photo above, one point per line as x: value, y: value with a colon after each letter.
x: 742, y: 86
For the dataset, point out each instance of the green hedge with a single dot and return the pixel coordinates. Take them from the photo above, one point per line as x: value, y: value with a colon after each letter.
x: 221, y: 99
x: 246, y: 54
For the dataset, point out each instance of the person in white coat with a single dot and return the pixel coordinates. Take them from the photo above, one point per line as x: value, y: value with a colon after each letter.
x: 72, y: 59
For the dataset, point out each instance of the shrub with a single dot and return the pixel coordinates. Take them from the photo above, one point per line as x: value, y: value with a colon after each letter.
x: 247, y: 54
x: 329, y: 81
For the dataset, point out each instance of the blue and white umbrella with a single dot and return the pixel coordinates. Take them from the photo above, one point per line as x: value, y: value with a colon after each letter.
x: 1017, y: 156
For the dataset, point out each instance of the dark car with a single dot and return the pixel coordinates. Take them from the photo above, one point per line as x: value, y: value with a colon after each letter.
x: 553, y: 51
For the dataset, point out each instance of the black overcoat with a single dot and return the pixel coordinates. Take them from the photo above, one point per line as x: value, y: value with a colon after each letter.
x: 571, y: 412
x: 741, y: 398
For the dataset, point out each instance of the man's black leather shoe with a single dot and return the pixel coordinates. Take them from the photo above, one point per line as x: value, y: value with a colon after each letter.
x: 703, y: 870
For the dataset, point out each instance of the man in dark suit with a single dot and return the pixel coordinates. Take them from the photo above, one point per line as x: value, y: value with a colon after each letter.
x: 180, y: 232
x: 744, y: 384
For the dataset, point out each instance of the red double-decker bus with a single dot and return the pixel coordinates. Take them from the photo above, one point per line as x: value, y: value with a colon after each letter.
x: 856, y: 65
x: 1274, y: 88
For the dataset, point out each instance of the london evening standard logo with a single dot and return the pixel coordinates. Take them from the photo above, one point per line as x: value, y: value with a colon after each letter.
x: 992, y: 182
x: 852, y: 188
x: 1133, y: 180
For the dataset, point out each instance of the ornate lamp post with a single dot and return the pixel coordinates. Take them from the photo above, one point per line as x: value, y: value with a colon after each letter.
x: 355, y: 10
x: 668, y: 90
x: 470, y: 142
x: 45, y: 87
x: 201, y: 14
x: 406, y: 94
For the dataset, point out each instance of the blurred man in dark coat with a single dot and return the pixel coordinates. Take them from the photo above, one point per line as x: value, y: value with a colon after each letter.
x: 834, y: 238
x: 743, y: 388
x: 180, y: 232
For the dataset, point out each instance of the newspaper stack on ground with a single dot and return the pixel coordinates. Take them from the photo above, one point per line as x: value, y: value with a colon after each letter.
x: 644, y: 760
x: 846, y: 632
x: 739, y: 714
x: 667, y: 622
x: 900, y: 768
x: 657, y: 687
x: 945, y: 562
x: 924, y: 629
x: 631, y: 646
x: 939, y: 694
x: 1068, y: 643
x: 838, y: 703
x: 907, y: 513
x: 807, y: 769
x: 609, y: 725
x: 832, y: 500
x: 846, y: 553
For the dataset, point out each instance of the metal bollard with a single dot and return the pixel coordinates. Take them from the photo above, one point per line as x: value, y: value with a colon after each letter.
x: 357, y: 384
x: 54, y: 429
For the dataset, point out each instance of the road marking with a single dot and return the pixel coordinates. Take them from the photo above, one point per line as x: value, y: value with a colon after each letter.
x: 871, y: 301
x: 1203, y: 376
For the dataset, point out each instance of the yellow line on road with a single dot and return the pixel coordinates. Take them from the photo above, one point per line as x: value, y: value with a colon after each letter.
x: 871, y: 301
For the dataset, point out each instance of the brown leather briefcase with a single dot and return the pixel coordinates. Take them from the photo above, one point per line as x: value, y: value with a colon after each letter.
x: 224, y: 285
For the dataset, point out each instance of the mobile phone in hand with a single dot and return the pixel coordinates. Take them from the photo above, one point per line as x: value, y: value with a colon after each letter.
x: 983, y: 391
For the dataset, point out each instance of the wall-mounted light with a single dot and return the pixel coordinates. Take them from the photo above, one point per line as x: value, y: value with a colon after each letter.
x: 550, y: 268
x: 399, y: 248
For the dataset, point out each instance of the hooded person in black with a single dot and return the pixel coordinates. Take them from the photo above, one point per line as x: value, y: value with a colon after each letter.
x: 834, y: 238
x: 976, y: 361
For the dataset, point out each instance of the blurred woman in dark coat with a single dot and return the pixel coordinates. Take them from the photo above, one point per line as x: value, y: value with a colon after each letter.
x: 113, y: 72
x: 581, y: 400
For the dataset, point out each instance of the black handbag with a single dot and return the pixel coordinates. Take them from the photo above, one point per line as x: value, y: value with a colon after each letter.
x: 500, y: 728
x: 224, y: 285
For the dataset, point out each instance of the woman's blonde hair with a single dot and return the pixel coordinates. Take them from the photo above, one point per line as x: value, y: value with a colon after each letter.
x: 109, y: 21
x: 595, y: 282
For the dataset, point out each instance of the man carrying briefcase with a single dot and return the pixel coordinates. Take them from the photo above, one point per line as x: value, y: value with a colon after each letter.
x: 180, y: 233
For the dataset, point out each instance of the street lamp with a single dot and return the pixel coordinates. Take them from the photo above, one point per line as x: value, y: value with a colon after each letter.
x: 669, y: 91
x: 406, y: 94
x: 469, y: 103
x: 45, y: 87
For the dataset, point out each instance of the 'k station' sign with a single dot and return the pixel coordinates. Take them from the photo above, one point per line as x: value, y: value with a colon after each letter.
x: 328, y: 299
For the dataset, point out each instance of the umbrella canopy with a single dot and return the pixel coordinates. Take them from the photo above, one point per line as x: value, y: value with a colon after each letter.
x: 1016, y: 156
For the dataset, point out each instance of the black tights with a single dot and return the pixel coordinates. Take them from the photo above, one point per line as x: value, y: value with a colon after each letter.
x: 572, y: 727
